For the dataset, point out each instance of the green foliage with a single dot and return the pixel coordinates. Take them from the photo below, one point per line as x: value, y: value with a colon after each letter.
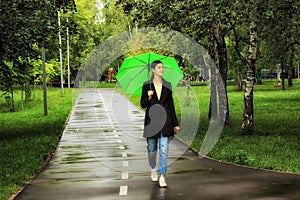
x: 279, y: 30
x: 25, y: 26
x: 238, y: 157
x: 28, y: 25
x: 278, y: 24
x: 116, y: 20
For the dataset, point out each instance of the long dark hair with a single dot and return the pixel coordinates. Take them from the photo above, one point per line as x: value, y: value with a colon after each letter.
x: 153, y: 65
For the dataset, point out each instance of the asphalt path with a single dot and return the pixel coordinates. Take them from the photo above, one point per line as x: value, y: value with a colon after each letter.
x: 102, y: 155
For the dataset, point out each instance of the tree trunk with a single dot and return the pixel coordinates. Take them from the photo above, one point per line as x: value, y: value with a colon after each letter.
x: 213, y: 108
x: 22, y: 95
x: 290, y: 76
x: 237, y: 40
x: 223, y: 67
x: 212, y: 113
x: 282, y: 77
x: 290, y: 69
x: 12, y: 103
x: 27, y: 92
x: 239, y: 80
x: 8, y: 87
x: 248, y: 115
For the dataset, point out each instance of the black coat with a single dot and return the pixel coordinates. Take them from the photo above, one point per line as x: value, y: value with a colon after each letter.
x: 163, y: 114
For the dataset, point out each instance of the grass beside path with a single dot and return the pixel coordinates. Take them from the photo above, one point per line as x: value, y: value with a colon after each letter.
x: 27, y: 137
x: 275, y: 143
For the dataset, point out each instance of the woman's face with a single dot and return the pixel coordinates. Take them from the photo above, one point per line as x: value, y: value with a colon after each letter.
x: 158, y: 70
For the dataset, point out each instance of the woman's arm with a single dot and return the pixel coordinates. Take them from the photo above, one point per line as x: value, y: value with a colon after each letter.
x: 172, y: 109
x: 145, y: 102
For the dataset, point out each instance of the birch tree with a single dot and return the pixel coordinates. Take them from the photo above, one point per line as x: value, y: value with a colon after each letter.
x: 248, y: 115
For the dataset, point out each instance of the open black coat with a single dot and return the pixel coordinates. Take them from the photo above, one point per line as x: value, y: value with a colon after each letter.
x: 164, y: 110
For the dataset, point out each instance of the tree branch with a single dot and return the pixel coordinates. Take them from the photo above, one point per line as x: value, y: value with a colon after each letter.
x: 292, y: 44
x: 237, y: 40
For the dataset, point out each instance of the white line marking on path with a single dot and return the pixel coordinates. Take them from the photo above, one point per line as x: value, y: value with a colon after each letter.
x: 125, y: 175
x: 119, y: 141
x: 124, y: 154
x: 125, y: 163
x: 123, y: 190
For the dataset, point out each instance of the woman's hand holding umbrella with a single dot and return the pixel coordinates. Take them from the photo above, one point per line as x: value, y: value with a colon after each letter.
x: 176, y: 129
x: 150, y: 94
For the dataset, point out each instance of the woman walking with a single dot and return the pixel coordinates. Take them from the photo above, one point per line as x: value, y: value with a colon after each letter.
x: 160, y: 120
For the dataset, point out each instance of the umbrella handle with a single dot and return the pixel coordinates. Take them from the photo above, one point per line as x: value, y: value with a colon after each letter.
x: 149, y: 73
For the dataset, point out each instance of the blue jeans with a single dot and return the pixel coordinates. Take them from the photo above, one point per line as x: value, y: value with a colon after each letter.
x: 163, y: 153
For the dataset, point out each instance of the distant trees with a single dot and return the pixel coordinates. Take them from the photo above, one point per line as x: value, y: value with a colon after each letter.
x: 242, y: 36
x: 257, y: 32
x: 26, y: 26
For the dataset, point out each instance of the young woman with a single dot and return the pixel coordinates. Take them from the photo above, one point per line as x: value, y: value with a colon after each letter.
x: 160, y: 120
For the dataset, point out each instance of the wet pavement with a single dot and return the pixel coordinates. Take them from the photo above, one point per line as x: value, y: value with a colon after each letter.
x: 102, y: 155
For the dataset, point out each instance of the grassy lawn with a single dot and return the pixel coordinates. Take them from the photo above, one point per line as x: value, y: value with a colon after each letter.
x: 275, y: 143
x: 27, y: 137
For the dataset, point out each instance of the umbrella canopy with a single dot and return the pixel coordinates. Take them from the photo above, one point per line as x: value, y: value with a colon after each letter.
x: 136, y: 70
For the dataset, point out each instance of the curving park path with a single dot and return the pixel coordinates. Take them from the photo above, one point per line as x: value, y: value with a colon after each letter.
x: 102, y: 155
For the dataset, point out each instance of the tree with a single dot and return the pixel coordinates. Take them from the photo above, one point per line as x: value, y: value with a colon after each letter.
x: 202, y: 16
x: 219, y: 25
x: 24, y: 25
x: 279, y: 22
x: 248, y: 115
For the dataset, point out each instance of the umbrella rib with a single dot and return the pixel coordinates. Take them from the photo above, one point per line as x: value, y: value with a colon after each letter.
x: 140, y: 60
x: 163, y: 58
x: 130, y: 67
x: 136, y: 75
x: 148, y: 59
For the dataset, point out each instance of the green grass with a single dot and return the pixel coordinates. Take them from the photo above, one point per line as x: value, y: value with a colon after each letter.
x: 275, y: 143
x: 27, y: 137
x: 94, y: 84
x: 106, y: 85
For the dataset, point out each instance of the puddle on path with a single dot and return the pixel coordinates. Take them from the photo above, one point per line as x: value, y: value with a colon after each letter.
x: 72, y: 146
x: 98, y: 105
x: 192, y: 171
x: 135, y: 112
x: 76, y: 158
x: 70, y: 171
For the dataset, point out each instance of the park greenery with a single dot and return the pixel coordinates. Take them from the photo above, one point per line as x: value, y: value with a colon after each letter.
x: 244, y: 38
x: 249, y: 40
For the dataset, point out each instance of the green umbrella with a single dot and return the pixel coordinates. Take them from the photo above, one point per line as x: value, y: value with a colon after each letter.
x: 136, y: 70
